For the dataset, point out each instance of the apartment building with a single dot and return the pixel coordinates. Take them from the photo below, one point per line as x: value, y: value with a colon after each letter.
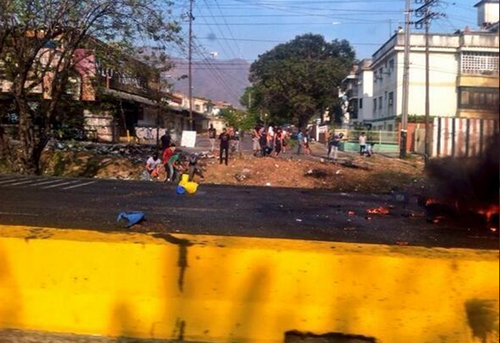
x: 464, y: 75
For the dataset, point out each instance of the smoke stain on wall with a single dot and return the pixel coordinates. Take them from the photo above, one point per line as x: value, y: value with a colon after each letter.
x: 482, y: 316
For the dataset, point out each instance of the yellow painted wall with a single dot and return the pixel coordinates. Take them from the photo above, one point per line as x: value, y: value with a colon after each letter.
x: 220, y: 289
x: 479, y: 81
x: 478, y: 114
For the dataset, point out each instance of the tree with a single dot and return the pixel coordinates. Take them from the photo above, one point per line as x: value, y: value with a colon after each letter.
x: 241, y: 120
x: 300, y: 79
x: 42, y: 41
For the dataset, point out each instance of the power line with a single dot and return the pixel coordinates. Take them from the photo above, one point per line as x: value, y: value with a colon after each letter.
x: 304, y: 23
x: 276, y: 41
x: 215, y: 72
x: 215, y: 23
x: 229, y: 28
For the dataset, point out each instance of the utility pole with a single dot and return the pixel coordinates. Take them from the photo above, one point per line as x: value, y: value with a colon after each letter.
x: 427, y: 15
x: 191, y: 19
x: 406, y: 82
x: 427, y: 89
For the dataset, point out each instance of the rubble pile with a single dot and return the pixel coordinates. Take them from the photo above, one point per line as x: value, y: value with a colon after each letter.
x: 135, y: 153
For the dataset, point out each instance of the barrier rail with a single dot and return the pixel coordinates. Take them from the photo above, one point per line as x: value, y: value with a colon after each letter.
x: 223, y: 289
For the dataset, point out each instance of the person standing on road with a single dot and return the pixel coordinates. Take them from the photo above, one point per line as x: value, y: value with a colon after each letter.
x: 166, y: 141
x: 307, y: 142
x: 286, y: 140
x: 278, y: 142
x: 255, y: 140
x: 224, y: 139
x: 235, y: 137
x: 263, y: 141
x: 300, y: 139
x: 334, y: 146
x: 270, y: 138
x: 212, y: 136
x: 362, y: 144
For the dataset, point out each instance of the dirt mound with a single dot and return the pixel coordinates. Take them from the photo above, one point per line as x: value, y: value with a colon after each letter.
x: 357, y: 174
x: 352, y: 174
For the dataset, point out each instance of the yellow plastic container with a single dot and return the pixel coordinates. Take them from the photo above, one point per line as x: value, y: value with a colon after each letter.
x: 191, y: 187
x: 184, y: 180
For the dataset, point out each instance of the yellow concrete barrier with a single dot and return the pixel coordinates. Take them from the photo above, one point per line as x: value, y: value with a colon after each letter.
x: 222, y: 289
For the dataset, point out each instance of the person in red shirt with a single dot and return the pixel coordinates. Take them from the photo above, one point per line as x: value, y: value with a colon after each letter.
x: 167, y: 155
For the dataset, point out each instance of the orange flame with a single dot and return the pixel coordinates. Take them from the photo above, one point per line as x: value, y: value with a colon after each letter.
x: 490, y: 212
x: 379, y: 210
x: 431, y: 201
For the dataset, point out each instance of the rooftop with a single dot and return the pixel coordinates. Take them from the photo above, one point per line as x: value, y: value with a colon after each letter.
x: 486, y: 2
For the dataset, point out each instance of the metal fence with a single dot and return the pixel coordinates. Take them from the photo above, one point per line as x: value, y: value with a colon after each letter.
x: 461, y: 137
x: 373, y: 137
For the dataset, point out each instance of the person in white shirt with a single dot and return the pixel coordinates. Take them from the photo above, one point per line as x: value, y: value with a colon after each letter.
x: 362, y: 144
x: 152, y: 164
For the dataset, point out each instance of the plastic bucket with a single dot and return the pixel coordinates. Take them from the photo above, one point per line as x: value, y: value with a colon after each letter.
x: 181, y: 190
x: 191, y: 187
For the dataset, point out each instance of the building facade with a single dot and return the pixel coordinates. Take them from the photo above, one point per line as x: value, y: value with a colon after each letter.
x: 363, y: 91
x: 464, y: 75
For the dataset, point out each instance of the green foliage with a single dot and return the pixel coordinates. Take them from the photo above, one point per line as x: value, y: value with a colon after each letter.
x: 239, y: 119
x: 299, y: 80
x: 48, y: 39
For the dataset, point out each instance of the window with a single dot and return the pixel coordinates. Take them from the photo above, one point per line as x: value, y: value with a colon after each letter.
x: 473, y: 98
x: 380, y: 103
x: 375, y: 77
x: 360, y: 104
x: 391, y: 66
x: 140, y: 114
x: 381, y: 72
x: 391, y: 103
x: 374, y: 106
x: 479, y: 63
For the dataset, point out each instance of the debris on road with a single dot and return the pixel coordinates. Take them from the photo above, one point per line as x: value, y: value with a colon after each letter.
x: 380, y: 210
x: 317, y: 173
x: 129, y: 219
x: 351, y: 174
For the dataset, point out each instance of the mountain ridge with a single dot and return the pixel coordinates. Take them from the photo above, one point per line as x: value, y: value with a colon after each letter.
x: 217, y: 80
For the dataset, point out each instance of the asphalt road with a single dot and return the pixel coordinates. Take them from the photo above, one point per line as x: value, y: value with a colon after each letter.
x: 221, y: 210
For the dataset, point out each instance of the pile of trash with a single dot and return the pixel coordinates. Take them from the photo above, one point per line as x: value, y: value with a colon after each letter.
x: 134, y: 153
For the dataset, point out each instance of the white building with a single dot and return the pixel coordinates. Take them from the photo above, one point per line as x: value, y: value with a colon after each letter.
x: 363, y: 91
x: 488, y: 14
x: 464, y: 74
x: 357, y: 90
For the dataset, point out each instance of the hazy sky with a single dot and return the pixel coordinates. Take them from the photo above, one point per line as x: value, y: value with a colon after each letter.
x: 247, y: 28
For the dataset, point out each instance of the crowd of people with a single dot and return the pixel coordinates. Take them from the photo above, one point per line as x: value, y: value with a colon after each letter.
x: 274, y: 141
x: 268, y: 141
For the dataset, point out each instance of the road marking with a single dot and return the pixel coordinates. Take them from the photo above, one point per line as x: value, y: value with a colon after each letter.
x: 60, y: 184
x: 12, y: 180
x: 19, y: 214
x: 46, y: 182
x: 82, y: 185
x: 20, y: 183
